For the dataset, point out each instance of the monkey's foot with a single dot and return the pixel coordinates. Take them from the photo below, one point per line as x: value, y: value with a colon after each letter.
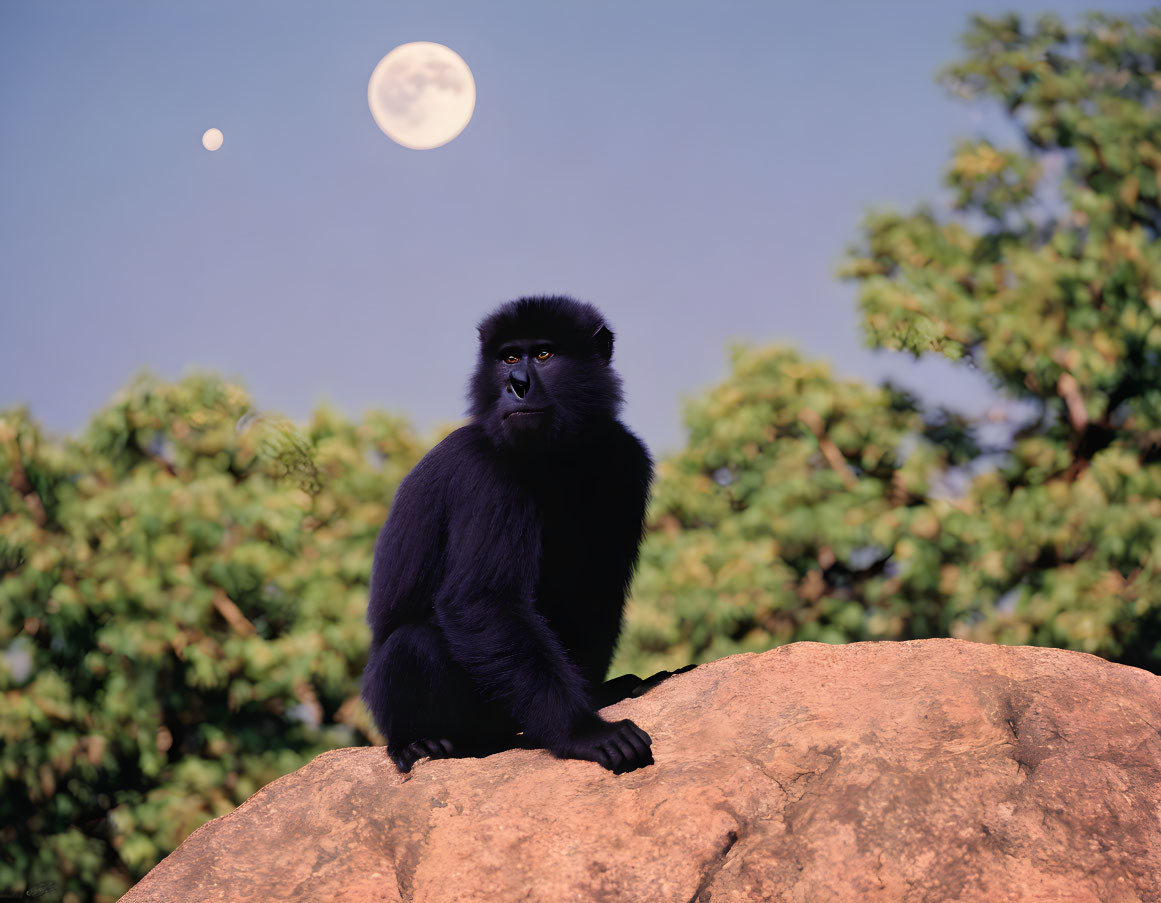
x: 650, y: 682
x: 411, y: 753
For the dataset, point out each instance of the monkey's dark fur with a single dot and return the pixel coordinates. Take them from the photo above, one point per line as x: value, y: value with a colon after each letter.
x: 499, y: 579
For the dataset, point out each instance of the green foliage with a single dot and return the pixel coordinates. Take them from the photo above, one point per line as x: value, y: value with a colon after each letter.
x: 182, y: 594
x: 1047, y: 280
x: 795, y: 513
x: 1045, y: 276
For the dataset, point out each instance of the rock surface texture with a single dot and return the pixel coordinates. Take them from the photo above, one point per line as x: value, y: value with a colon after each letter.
x: 923, y: 771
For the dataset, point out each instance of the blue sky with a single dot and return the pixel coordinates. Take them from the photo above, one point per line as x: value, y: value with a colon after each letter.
x: 694, y: 169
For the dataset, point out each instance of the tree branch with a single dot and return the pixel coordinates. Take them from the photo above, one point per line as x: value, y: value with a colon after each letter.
x: 233, y: 615
x: 829, y: 450
x: 1068, y: 389
x: 20, y: 482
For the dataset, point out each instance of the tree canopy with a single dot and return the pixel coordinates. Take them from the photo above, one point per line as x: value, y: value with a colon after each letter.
x: 807, y: 508
x: 181, y: 614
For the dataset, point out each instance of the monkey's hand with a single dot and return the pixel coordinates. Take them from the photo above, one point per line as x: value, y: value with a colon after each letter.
x: 619, y: 747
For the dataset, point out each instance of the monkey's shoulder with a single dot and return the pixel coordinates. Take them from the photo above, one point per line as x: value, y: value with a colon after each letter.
x: 632, y: 448
x: 619, y: 457
x: 465, y: 469
x: 460, y: 458
x: 466, y: 444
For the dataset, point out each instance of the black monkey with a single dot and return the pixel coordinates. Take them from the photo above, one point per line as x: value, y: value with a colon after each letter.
x: 499, y: 579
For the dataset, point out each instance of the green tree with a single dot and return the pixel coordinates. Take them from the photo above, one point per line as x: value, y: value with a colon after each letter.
x: 1047, y: 278
x: 182, y: 594
x: 1045, y: 275
x: 800, y: 510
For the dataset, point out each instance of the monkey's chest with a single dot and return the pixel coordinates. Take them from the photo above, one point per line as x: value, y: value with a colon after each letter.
x: 574, y: 529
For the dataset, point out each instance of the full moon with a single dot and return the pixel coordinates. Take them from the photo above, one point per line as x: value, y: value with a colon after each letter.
x: 422, y: 95
x: 212, y: 139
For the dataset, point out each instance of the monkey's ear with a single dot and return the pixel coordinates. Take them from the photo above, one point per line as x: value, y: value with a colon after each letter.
x: 603, y: 342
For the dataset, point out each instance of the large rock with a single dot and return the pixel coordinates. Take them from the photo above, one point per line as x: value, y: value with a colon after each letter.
x: 922, y: 771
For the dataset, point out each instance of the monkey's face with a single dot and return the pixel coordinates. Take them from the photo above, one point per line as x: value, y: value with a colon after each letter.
x: 544, y: 376
x: 525, y: 375
x: 545, y: 392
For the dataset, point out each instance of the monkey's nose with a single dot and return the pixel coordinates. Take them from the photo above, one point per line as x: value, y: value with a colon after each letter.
x: 518, y: 379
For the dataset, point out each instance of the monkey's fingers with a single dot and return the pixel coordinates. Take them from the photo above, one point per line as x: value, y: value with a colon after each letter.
x: 626, y: 751
x: 642, y: 754
x: 403, y: 761
x: 639, y: 734
x: 613, y: 755
x: 639, y: 758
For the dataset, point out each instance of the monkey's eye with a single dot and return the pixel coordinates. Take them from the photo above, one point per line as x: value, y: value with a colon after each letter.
x: 511, y: 359
x: 544, y: 355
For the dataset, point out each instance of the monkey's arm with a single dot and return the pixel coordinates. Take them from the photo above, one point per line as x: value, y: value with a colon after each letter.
x: 485, y: 612
x: 409, y: 546
x: 624, y: 478
x: 514, y: 657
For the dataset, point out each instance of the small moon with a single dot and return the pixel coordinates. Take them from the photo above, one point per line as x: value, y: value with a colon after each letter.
x: 422, y: 95
x: 212, y: 139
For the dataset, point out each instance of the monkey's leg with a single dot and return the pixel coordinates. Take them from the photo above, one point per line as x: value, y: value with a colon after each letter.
x: 615, y: 690
x: 630, y: 685
x: 425, y: 705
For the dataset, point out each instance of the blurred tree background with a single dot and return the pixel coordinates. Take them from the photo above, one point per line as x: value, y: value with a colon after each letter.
x: 181, y: 611
x: 182, y: 588
x: 807, y: 508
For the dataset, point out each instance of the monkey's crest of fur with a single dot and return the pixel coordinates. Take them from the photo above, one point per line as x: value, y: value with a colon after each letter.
x: 564, y: 321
